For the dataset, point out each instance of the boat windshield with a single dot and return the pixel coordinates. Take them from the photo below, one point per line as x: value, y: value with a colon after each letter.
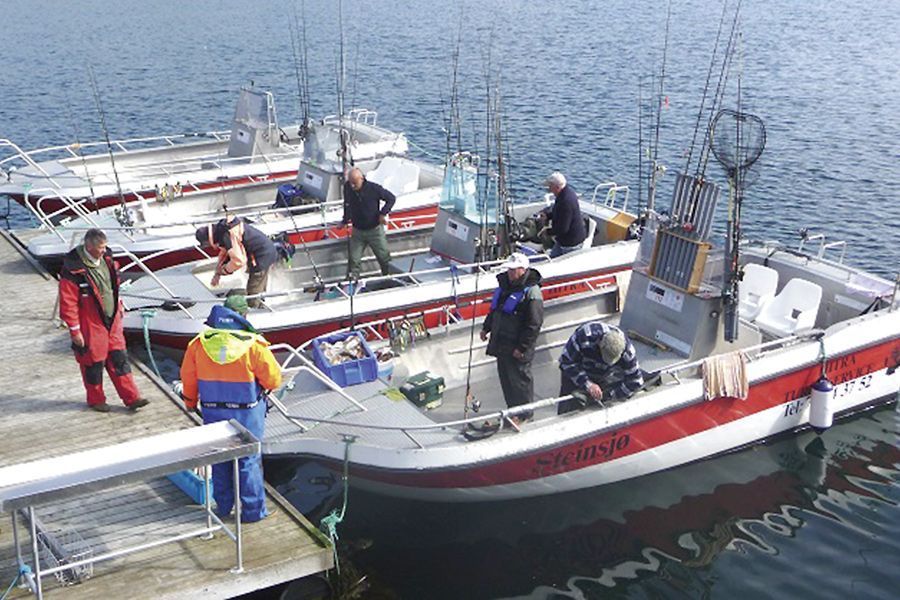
x: 471, y: 194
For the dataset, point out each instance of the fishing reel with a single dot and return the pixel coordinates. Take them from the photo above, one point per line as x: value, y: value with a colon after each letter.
x: 125, y: 217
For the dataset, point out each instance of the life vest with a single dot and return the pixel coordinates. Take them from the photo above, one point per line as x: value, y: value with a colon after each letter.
x: 512, y: 301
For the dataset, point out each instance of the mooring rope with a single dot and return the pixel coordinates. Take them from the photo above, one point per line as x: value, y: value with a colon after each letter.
x: 330, y: 521
x: 23, y: 571
x: 147, y: 314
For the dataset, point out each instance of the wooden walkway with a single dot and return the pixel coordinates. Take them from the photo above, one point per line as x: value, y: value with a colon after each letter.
x: 43, y: 414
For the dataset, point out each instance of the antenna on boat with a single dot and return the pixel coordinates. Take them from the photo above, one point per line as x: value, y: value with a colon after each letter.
x: 737, y: 140
x: 112, y: 159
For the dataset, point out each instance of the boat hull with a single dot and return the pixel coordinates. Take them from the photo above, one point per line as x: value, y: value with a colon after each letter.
x: 559, y: 461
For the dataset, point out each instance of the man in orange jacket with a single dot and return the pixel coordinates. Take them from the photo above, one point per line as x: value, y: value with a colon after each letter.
x: 227, y: 368
x: 89, y: 304
x: 240, y: 245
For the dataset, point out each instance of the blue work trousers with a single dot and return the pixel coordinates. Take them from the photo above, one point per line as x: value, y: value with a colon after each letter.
x: 253, y: 491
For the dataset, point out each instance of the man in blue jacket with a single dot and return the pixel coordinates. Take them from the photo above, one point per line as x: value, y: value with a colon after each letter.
x: 601, y: 362
x: 567, y: 224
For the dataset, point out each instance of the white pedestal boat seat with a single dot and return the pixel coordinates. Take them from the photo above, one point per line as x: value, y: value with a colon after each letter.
x: 793, y: 310
x: 396, y: 175
x: 591, y: 226
x: 756, y: 290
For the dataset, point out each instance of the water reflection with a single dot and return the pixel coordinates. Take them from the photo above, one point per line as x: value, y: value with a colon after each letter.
x: 680, y: 532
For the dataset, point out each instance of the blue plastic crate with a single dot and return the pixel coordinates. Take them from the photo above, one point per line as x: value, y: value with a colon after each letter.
x: 347, y: 373
x: 191, y: 484
x: 286, y: 195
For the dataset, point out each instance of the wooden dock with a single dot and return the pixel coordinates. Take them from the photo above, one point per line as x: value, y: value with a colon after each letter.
x: 43, y: 414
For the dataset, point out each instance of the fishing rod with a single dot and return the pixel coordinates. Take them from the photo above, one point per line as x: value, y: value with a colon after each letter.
x: 344, y: 158
x: 453, y: 119
x: 303, y: 100
x: 300, y: 93
x: 640, y: 145
x: 654, y: 164
x: 109, y: 149
x: 485, y: 179
x: 712, y: 62
x: 720, y: 88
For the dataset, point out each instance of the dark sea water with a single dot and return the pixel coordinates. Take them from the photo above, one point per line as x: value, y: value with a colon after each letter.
x: 796, y: 518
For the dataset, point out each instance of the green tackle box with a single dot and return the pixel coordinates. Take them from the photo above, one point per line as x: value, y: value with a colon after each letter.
x: 425, y: 390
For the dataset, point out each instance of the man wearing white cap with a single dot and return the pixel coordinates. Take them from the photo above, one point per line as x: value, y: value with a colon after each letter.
x: 517, y: 313
x: 600, y: 360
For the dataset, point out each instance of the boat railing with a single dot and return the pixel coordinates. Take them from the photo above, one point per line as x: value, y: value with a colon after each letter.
x: 773, y: 246
x: 178, y: 300
x: 74, y: 206
x: 823, y: 246
x: 503, y: 417
x: 751, y: 352
x: 28, y: 156
x: 372, y: 326
x: 309, y: 367
x: 612, y: 191
x: 139, y: 261
x: 360, y: 115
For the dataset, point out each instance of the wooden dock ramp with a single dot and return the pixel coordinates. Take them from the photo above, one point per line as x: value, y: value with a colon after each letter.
x: 43, y: 414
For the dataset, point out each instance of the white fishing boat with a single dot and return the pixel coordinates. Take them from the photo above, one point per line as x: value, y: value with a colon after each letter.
x: 161, y: 234
x: 448, y: 267
x: 736, y: 344
x: 79, y: 178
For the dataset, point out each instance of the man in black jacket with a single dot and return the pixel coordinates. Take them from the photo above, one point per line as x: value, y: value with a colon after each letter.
x: 568, y: 227
x: 362, y: 207
x: 517, y: 313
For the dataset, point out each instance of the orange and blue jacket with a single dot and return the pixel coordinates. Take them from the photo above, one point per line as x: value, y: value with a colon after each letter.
x: 229, y: 366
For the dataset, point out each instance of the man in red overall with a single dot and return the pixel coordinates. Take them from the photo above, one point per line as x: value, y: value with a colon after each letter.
x: 89, y: 305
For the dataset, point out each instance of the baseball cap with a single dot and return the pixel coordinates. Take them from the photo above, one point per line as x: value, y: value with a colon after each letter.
x: 612, y: 345
x: 516, y: 260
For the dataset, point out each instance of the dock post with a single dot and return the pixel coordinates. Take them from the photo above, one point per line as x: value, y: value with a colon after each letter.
x: 237, y: 519
x: 208, y: 503
x: 39, y: 592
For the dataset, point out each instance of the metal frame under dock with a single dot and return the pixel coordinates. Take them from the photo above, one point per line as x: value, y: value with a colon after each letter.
x: 43, y: 414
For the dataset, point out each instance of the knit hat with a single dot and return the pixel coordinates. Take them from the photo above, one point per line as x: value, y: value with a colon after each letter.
x: 237, y: 303
x: 612, y: 345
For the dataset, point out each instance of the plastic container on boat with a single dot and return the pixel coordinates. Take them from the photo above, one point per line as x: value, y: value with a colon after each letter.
x: 425, y: 390
x: 350, y: 372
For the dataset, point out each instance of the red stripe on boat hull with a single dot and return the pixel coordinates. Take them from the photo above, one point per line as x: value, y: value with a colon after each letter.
x: 644, y: 435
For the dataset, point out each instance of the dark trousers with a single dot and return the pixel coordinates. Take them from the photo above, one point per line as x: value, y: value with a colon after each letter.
x: 375, y: 239
x: 256, y: 284
x: 515, y: 380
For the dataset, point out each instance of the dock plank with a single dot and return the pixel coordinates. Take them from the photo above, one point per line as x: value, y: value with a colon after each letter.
x: 43, y: 414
